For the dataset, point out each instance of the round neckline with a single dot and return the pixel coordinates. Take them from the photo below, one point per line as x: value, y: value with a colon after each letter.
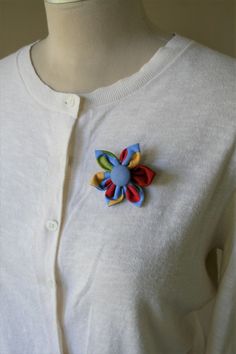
x: 55, y: 100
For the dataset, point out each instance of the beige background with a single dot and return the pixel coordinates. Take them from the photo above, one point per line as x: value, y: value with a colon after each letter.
x: 211, y: 22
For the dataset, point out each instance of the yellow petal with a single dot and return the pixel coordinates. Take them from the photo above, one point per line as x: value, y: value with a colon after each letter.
x: 97, y: 179
x: 135, y: 160
x: 115, y: 201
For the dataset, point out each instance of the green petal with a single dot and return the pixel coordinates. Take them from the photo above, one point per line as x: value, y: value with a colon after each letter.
x: 106, y: 159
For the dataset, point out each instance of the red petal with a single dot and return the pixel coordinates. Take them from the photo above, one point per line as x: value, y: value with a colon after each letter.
x: 123, y: 154
x: 132, y: 193
x: 142, y: 175
x: 108, y: 183
x: 110, y: 190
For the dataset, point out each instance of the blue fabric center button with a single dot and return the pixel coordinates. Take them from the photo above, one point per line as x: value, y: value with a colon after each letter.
x: 120, y: 175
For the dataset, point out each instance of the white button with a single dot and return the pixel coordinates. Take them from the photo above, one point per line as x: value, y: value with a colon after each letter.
x: 70, y: 101
x: 52, y: 225
x: 51, y: 283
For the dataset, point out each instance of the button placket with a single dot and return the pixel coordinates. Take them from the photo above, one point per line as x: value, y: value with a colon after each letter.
x: 47, y: 244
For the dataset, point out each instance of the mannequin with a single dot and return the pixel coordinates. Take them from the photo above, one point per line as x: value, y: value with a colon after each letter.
x: 94, y: 43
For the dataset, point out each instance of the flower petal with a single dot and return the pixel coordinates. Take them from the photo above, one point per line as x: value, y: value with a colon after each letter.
x: 130, y: 156
x: 142, y: 175
x: 110, y: 190
x: 115, y: 195
x: 106, y: 182
x: 134, y: 194
x: 99, y: 180
x: 106, y: 159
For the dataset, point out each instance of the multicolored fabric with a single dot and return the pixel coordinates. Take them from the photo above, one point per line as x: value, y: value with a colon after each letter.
x: 123, y: 177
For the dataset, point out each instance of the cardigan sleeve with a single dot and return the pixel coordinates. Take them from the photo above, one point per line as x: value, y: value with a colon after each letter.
x: 222, y: 334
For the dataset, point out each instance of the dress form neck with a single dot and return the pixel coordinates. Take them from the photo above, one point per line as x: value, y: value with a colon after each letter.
x: 94, y: 43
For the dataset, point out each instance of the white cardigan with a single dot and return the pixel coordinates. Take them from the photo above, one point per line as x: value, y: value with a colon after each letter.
x: 79, y: 276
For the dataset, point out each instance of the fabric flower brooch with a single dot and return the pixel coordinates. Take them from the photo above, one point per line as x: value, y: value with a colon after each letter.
x: 123, y: 177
